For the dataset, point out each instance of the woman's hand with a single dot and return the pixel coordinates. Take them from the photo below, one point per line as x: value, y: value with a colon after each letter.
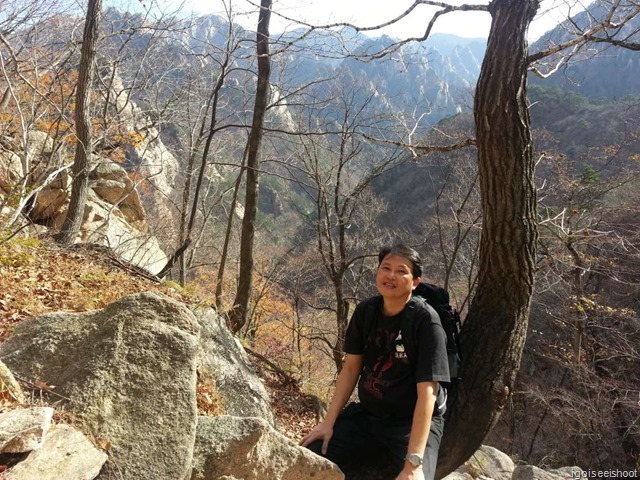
x: 322, y: 432
x: 411, y: 473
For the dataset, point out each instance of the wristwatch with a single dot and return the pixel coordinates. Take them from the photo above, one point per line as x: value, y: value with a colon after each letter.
x: 414, y: 459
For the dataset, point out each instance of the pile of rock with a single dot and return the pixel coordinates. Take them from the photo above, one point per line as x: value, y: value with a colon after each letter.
x: 128, y: 374
x: 489, y: 463
x: 54, y: 451
x: 113, y: 215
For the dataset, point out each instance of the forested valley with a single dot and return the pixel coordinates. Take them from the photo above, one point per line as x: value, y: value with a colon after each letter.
x: 261, y: 171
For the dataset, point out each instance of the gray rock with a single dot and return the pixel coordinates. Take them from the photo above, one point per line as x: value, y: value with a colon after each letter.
x: 569, y: 473
x: 65, y: 454
x: 222, y: 359
x: 11, y: 170
x: 458, y: 476
x: 106, y: 169
x: 105, y: 225
x: 129, y: 369
x: 489, y: 462
x: 530, y: 472
x: 157, y: 164
x: 39, y: 142
x: 22, y: 430
x: 112, y: 183
x: 122, y: 195
x: 250, y: 449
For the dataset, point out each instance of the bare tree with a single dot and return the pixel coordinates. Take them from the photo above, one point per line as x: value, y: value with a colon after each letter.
x: 335, y: 172
x: 496, y: 325
x: 203, y: 140
x: 36, y: 95
x: 81, y: 162
x: 582, y: 333
x: 238, y: 316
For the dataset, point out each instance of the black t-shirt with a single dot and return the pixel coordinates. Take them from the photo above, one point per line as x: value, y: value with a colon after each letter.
x: 387, y: 385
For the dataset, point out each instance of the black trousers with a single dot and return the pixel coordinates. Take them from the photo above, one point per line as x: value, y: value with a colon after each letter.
x: 360, y: 439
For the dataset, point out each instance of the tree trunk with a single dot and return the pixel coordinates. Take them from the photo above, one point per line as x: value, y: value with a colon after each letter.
x: 238, y: 316
x: 494, y: 331
x: 342, y: 320
x: 227, y: 239
x: 81, y: 161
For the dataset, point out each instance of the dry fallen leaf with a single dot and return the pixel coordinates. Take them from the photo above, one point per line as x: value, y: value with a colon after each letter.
x: 103, y: 443
x: 43, y: 386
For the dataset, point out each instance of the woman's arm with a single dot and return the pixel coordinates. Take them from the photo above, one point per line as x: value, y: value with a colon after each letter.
x: 347, y: 380
x: 420, y: 428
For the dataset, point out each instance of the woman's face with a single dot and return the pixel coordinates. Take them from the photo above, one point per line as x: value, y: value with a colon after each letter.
x: 394, y: 279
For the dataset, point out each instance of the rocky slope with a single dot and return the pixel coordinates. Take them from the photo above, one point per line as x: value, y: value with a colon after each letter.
x: 99, y: 393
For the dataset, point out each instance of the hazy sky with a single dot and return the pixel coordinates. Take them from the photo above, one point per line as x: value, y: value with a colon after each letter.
x: 374, y: 12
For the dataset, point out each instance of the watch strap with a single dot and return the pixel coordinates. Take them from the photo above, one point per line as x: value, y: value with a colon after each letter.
x: 414, y: 459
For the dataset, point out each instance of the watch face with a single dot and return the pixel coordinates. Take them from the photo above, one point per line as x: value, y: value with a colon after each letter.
x: 414, y: 459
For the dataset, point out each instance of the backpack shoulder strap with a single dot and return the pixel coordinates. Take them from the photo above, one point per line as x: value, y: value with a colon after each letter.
x: 371, y: 309
x: 411, y: 323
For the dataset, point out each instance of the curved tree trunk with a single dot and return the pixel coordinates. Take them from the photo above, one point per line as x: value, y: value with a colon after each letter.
x: 238, y: 316
x: 494, y: 331
x: 81, y: 161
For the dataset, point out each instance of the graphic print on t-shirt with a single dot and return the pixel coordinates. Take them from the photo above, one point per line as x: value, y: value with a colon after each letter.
x: 389, y: 354
x: 400, y: 353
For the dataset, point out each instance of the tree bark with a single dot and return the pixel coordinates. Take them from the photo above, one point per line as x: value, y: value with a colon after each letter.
x: 81, y: 162
x: 227, y: 240
x: 342, y: 316
x: 494, y: 331
x: 238, y: 316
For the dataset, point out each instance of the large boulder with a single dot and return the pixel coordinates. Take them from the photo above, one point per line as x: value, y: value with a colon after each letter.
x: 105, y: 225
x: 530, y: 472
x: 160, y: 168
x: 223, y: 360
x: 129, y: 371
x: 489, y: 462
x: 233, y: 448
x: 112, y: 183
x: 39, y: 143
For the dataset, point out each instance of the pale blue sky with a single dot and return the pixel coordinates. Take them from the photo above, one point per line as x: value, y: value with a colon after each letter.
x: 373, y: 12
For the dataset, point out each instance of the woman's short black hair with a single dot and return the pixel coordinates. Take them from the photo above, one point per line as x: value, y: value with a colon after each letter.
x: 406, y: 252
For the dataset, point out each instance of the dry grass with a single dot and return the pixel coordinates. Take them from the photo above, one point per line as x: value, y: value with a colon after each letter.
x: 38, y: 278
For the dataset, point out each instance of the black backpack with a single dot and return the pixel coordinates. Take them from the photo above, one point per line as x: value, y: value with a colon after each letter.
x: 438, y: 298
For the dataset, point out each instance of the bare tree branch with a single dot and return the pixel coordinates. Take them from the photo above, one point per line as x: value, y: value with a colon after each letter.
x: 591, y: 35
